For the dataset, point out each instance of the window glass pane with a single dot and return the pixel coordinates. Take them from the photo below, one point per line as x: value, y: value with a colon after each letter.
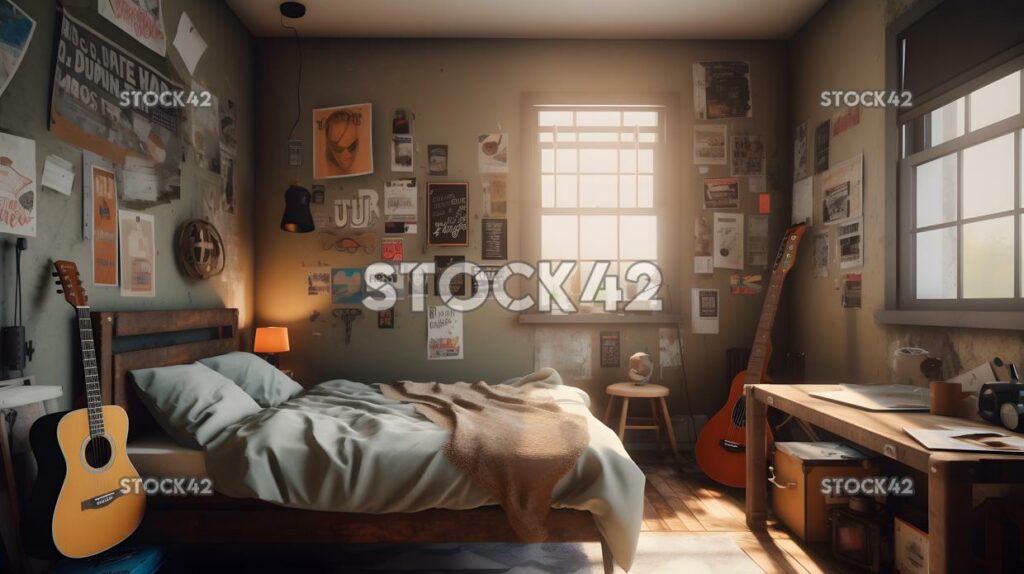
x: 645, y: 195
x: 946, y: 122
x: 639, y: 237
x: 565, y: 191
x: 935, y: 183
x: 599, y: 237
x: 645, y: 161
x: 547, y: 137
x: 547, y: 191
x: 642, y: 119
x: 988, y: 177
x: 558, y: 237
x: 547, y: 161
x: 935, y: 253
x: 599, y: 137
x: 566, y: 158
x: 598, y: 191
x: 598, y: 118
x: 566, y: 136
x: 996, y: 101
x: 988, y: 259
x: 599, y: 161
x: 648, y: 137
x: 627, y: 191
x: 627, y: 161
x: 626, y: 136
x: 554, y: 118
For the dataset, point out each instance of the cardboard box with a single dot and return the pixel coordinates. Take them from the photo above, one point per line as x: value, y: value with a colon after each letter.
x: 910, y: 548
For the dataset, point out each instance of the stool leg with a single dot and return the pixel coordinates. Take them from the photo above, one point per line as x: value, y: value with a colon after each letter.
x: 608, y: 409
x: 668, y: 427
x: 657, y: 424
x: 622, y: 418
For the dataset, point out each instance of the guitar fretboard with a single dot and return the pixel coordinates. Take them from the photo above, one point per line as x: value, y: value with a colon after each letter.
x: 762, y: 337
x: 93, y: 391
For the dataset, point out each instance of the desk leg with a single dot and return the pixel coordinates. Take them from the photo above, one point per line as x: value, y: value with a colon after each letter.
x: 13, y: 544
x: 949, y: 516
x: 757, y: 462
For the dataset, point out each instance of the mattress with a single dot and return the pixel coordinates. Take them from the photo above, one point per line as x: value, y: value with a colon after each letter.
x: 159, y: 456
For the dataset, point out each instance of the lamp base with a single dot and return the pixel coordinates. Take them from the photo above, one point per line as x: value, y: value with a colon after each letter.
x: 274, y: 359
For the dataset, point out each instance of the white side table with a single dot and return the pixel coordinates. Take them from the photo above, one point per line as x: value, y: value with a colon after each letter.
x: 17, y: 393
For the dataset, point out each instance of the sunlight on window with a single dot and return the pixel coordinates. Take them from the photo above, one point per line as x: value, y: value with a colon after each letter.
x: 559, y: 237
x: 936, y: 191
x: 988, y: 259
x: 947, y: 122
x: 988, y: 177
x: 936, y: 264
x: 996, y: 101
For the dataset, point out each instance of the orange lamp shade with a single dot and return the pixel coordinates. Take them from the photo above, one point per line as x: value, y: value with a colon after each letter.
x: 271, y: 340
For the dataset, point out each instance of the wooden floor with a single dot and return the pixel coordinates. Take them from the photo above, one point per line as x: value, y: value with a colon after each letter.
x: 681, y: 499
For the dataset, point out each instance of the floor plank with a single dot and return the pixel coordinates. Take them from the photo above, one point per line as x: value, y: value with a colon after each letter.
x: 689, y: 521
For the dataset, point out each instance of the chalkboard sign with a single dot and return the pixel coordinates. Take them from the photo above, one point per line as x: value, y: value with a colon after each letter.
x: 610, y: 348
x: 495, y: 239
x: 447, y: 213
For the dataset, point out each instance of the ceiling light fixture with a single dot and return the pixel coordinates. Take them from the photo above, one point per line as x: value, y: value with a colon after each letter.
x: 297, y: 217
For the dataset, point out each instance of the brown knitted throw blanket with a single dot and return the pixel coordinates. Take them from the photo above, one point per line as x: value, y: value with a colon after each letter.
x: 510, y: 439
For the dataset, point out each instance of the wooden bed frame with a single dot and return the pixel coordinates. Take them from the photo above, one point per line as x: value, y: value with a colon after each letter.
x: 220, y: 519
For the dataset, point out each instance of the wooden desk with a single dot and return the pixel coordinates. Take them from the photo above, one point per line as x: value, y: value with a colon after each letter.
x: 951, y: 475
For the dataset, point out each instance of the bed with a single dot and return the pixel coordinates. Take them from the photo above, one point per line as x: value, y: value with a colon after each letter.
x: 130, y: 340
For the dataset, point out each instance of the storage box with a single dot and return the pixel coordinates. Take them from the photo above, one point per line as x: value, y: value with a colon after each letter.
x: 910, y: 548
x: 796, y: 476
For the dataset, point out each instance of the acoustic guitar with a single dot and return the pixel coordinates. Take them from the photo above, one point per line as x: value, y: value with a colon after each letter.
x: 80, y: 505
x: 721, y: 446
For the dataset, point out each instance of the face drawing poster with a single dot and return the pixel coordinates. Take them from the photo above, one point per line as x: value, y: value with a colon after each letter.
x: 728, y: 248
x: 721, y: 90
x: 347, y: 286
x: 492, y: 153
x: 444, y: 333
x: 145, y: 140
x: 138, y: 254
x: 17, y: 185
x: 103, y: 190
x: 342, y: 141
x: 16, y: 28
x: 142, y: 19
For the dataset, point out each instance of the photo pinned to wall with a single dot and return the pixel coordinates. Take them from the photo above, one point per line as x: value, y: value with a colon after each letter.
x: 58, y: 175
x: 722, y: 90
x: 393, y: 278
x: 400, y: 122
x: 318, y: 282
x: 189, y: 43
x: 99, y: 192
x: 144, y: 140
x: 851, y: 243
x: 16, y: 30
x: 141, y: 19
x: 821, y: 146
x: 492, y: 153
x: 747, y: 156
x: 845, y: 119
x: 721, y: 193
x: 458, y: 283
x: 444, y: 333
x: 704, y: 311
x: 703, y: 237
x: 447, y: 214
x: 844, y: 191
x: 728, y: 248
x: 346, y: 286
x: 437, y: 159
x: 357, y: 212
x: 669, y: 347
x: 740, y: 284
x: 322, y: 217
x: 567, y: 350
x: 494, y: 239
x: 18, y: 201
x: 756, y: 248
x: 392, y: 249
x: 400, y: 206
x: 343, y: 141
x: 757, y: 184
x: 800, y: 161
x: 495, y: 195
x: 402, y: 150
x: 822, y: 252
x: 803, y: 202
x: 610, y: 348
x: 138, y: 254
x: 709, y: 141
x: 386, y: 319
x: 852, y: 287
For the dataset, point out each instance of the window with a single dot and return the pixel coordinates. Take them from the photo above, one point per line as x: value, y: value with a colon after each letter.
x: 962, y: 198
x: 598, y: 176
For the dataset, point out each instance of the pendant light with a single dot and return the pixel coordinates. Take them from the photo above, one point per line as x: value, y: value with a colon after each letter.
x: 297, y: 218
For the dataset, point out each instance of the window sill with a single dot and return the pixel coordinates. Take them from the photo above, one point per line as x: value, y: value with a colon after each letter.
x: 597, y: 319
x: 1007, y: 320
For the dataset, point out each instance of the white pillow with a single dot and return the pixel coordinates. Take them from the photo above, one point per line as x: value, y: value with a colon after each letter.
x: 258, y: 378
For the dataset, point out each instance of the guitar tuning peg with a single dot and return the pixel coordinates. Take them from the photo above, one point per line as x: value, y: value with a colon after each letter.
x: 60, y: 290
x: 55, y: 274
x: 56, y: 282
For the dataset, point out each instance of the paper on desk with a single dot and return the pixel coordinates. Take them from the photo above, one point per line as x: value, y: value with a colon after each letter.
x: 58, y: 174
x: 189, y: 43
x: 968, y: 439
x: 880, y: 397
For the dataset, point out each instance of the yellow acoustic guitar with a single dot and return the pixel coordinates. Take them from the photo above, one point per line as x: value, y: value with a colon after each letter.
x: 80, y: 505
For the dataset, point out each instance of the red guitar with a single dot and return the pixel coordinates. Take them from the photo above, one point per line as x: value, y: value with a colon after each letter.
x: 721, y: 445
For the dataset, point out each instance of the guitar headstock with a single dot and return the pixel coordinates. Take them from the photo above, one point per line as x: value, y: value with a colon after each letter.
x: 786, y: 257
x: 70, y: 283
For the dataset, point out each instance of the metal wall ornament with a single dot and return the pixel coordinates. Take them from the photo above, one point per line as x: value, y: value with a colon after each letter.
x: 201, y: 252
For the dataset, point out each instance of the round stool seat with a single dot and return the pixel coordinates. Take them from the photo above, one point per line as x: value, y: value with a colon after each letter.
x: 635, y: 391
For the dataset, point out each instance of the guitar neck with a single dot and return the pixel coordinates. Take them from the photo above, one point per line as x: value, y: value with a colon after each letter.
x: 93, y: 391
x: 762, y: 337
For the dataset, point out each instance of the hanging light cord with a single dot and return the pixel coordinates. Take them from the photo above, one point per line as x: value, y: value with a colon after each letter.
x: 298, y: 83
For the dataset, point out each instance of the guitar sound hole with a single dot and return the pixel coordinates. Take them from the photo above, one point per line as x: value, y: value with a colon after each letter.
x: 97, y: 452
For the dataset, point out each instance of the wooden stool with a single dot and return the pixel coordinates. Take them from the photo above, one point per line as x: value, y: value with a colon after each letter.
x: 655, y: 394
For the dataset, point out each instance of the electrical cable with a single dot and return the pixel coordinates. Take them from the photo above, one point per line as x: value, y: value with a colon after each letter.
x: 298, y: 83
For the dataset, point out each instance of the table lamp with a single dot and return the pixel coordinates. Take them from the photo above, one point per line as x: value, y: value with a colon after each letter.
x: 270, y: 341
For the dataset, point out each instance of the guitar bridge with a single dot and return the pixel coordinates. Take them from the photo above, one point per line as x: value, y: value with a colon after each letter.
x: 731, y: 446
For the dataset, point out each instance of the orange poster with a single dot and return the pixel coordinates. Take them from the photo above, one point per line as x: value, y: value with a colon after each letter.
x: 342, y: 141
x: 104, y: 235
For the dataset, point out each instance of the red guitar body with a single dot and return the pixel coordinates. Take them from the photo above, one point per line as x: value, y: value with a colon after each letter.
x: 721, y: 447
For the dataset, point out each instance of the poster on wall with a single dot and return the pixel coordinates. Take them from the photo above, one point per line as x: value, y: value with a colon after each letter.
x: 704, y: 311
x: 447, y: 209
x: 740, y: 284
x: 16, y: 29
x: 100, y: 187
x: 721, y: 90
x: 357, y: 212
x: 342, y: 141
x: 492, y: 153
x: 721, y: 193
x: 393, y: 278
x: 567, y: 350
x: 747, y: 156
x: 709, y: 142
x: 728, y: 248
x: 318, y: 282
x: 851, y: 295
x: 756, y: 246
x: 800, y: 152
x: 821, y: 145
x: 669, y: 347
x: 803, y: 202
x: 444, y: 333
x: 851, y: 243
x: 494, y: 241
x: 703, y: 236
x: 91, y: 76
x: 138, y: 254
x: 821, y: 252
x: 392, y: 249
x: 458, y: 282
x: 400, y: 206
x: 844, y: 191
x: 610, y: 348
x: 845, y: 119
x: 141, y: 19
x: 205, y: 131
x: 437, y: 159
x: 347, y: 286
x: 495, y: 195
x: 17, y: 185
x: 402, y: 149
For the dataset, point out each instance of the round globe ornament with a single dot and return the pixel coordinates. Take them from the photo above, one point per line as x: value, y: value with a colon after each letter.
x: 640, y: 368
x: 201, y: 252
